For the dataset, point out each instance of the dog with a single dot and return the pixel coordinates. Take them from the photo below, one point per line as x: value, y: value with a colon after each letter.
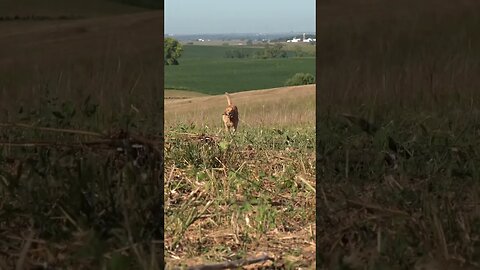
x: 230, y: 116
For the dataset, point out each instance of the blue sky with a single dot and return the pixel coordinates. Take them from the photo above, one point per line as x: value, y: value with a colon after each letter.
x: 247, y: 16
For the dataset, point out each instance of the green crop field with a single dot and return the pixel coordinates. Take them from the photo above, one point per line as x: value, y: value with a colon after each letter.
x: 205, y: 69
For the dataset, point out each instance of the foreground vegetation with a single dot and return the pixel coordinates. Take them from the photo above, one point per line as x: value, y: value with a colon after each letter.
x: 230, y: 197
x: 398, y: 136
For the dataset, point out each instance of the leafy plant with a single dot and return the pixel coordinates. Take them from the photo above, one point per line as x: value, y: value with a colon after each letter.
x: 300, y: 79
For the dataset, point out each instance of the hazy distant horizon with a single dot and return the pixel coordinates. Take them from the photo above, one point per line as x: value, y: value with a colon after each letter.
x: 254, y: 33
x: 193, y: 17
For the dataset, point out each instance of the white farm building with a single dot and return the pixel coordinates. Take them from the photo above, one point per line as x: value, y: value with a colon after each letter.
x: 295, y: 39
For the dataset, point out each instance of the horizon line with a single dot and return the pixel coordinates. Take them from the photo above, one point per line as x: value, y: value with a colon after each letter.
x: 242, y: 33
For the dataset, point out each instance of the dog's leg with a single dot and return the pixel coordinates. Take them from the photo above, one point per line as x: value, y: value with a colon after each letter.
x: 235, y: 125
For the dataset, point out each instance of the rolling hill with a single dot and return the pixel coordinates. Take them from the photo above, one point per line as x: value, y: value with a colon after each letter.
x: 284, y: 106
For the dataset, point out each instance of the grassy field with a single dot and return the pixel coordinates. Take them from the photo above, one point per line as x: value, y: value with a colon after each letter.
x: 291, y: 106
x: 205, y: 69
x: 398, y: 135
x: 231, y: 197
x: 181, y: 94
x: 75, y: 193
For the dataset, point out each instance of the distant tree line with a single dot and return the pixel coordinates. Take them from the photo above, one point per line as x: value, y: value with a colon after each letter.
x: 300, y: 52
x: 237, y: 53
x: 275, y: 51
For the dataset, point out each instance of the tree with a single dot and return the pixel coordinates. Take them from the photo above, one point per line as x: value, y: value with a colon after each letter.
x: 300, y: 79
x: 172, y: 51
x: 271, y: 52
x: 299, y: 51
x: 275, y: 51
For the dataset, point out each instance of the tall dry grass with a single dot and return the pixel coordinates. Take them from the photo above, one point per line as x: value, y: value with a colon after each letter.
x: 279, y: 107
x: 410, y: 55
x: 397, y: 135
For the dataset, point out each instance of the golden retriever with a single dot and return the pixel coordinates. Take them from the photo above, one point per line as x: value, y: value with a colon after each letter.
x: 230, y: 116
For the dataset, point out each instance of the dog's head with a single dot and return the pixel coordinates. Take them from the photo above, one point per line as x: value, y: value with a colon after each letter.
x: 230, y: 112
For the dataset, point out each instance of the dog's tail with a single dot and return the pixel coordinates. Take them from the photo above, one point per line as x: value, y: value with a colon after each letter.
x: 228, y: 99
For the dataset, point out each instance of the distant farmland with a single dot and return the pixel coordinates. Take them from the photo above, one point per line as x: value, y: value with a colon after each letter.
x: 205, y: 69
